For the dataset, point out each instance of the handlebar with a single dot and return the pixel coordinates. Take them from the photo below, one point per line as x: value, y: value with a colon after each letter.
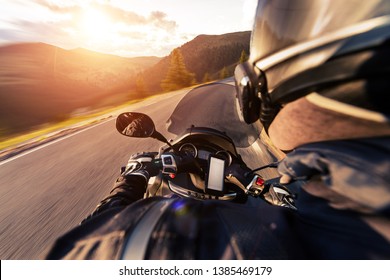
x: 238, y: 178
x: 237, y: 174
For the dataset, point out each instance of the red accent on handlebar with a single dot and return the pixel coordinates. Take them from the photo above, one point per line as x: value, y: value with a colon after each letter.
x: 259, y: 181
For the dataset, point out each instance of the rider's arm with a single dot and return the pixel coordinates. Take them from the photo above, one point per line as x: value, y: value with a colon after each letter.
x: 130, y: 186
x: 349, y: 174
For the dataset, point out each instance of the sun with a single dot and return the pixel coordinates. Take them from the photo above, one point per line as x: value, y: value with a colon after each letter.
x: 96, y: 26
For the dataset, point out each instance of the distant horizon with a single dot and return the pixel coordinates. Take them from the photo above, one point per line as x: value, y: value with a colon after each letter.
x: 71, y: 49
x: 103, y: 53
x: 123, y: 28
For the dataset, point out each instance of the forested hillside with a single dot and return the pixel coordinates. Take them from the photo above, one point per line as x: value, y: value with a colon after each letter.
x: 41, y: 83
x: 206, y: 55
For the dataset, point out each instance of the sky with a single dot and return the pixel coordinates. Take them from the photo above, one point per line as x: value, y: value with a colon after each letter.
x: 127, y: 28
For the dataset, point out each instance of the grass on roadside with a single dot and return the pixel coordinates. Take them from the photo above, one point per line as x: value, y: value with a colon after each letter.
x: 41, y: 134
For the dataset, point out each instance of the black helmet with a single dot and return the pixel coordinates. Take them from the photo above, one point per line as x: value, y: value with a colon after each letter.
x: 338, y: 50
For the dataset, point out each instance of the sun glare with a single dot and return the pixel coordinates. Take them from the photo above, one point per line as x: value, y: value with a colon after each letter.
x: 96, y: 26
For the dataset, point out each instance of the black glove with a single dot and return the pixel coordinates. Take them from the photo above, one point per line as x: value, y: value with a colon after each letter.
x: 141, y: 164
x: 277, y: 194
x: 239, y: 174
x: 130, y: 185
x: 302, y: 165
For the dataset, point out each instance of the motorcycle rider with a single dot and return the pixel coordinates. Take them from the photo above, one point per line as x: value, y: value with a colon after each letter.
x: 316, y: 78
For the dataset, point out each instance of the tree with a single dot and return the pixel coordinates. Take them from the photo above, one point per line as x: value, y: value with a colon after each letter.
x: 178, y: 76
x: 3, y: 131
x: 244, y: 57
x: 206, y: 78
x: 140, y: 86
x: 223, y: 74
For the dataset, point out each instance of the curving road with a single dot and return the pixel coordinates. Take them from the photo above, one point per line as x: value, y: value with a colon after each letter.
x: 49, y: 190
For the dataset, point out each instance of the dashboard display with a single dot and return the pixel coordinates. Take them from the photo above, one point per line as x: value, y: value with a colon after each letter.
x: 189, y: 149
x: 204, y: 154
x: 215, y: 178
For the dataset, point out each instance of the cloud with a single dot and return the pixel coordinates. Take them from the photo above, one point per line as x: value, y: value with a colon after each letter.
x: 120, y: 15
x: 62, y: 24
x: 29, y: 31
x: 116, y: 14
x: 70, y: 7
x: 159, y: 18
x: 7, y: 35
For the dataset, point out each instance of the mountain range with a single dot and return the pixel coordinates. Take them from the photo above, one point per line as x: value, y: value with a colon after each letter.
x: 204, y: 54
x: 41, y: 83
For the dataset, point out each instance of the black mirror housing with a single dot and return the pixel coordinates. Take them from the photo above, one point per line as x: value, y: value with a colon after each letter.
x: 133, y: 124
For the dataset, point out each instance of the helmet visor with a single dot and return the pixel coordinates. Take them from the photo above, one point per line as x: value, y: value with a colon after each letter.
x: 283, y: 23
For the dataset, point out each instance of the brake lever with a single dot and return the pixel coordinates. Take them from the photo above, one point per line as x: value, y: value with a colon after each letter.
x: 273, y: 193
x: 279, y: 195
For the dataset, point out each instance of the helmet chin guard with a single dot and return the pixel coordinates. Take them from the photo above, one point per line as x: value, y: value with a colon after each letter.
x: 247, y: 82
x: 252, y: 93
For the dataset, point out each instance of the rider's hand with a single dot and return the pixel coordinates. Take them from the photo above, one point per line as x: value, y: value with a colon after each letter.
x: 240, y: 171
x: 285, y: 179
x: 279, y: 195
x: 141, y: 164
x: 301, y: 166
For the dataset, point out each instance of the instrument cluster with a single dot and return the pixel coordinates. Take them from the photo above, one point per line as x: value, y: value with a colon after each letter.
x: 204, y: 154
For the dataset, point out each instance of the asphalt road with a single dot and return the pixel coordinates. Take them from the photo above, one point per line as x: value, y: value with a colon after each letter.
x: 49, y: 190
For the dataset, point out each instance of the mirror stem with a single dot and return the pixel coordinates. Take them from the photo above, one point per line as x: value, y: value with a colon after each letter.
x: 157, y: 135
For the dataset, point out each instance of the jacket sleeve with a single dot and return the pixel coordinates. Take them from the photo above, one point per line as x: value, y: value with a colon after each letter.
x: 354, y: 171
x: 126, y: 190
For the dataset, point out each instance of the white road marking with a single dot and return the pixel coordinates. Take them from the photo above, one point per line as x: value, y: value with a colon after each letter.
x: 50, y: 143
x: 149, y: 102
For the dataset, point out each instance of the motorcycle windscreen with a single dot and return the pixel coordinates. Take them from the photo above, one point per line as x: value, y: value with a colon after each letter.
x: 214, y: 106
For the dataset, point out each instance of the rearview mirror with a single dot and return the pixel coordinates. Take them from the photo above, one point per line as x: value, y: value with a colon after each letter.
x: 135, y: 125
